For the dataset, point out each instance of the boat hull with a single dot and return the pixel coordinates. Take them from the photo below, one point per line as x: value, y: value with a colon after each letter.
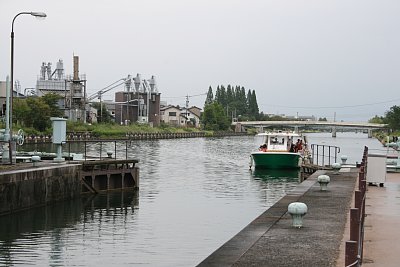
x: 276, y: 160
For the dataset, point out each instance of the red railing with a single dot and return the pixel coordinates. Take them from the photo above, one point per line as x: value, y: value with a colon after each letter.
x: 354, y: 247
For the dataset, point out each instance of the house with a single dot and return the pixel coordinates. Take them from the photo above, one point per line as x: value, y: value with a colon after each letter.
x: 171, y: 115
x: 196, y: 110
x: 191, y: 116
x: 177, y: 116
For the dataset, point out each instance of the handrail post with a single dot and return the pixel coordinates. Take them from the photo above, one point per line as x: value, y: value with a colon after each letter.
x: 354, y: 225
x: 115, y: 149
x: 329, y: 157
x: 358, y: 198
x: 351, y: 253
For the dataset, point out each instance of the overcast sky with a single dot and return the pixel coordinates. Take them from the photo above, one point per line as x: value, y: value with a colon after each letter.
x: 301, y: 57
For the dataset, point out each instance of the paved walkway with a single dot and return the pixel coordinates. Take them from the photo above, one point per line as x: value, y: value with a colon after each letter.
x: 270, y: 240
x: 382, y: 224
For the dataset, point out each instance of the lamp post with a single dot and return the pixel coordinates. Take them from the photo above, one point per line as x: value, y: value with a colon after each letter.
x: 35, y: 14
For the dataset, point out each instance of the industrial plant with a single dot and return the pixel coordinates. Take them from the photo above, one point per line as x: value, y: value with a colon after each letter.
x: 138, y: 102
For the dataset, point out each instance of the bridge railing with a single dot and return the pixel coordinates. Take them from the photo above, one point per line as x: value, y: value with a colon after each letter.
x: 322, y: 154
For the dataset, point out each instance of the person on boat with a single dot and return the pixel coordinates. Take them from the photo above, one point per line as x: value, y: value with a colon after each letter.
x: 292, y: 148
x: 263, y: 148
x: 299, y: 145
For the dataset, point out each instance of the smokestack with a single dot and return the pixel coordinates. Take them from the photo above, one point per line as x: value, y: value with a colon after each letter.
x: 76, y: 68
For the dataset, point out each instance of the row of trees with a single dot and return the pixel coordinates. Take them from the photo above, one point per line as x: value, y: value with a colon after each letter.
x: 35, y: 112
x: 228, y: 103
x: 235, y: 101
x: 392, y: 118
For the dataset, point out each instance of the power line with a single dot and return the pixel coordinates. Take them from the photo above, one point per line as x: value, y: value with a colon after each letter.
x: 184, y: 96
x: 347, y: 106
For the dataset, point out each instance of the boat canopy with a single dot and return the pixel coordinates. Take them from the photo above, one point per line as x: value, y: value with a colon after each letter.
x: 279, y: 141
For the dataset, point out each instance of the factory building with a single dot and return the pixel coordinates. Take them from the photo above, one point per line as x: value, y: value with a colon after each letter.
x: 72, y: 89
x: 138, y: 103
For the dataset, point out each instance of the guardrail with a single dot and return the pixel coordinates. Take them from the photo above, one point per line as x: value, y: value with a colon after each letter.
x: 322, y: 153
x: 354, y: 247
x: 101, y: 154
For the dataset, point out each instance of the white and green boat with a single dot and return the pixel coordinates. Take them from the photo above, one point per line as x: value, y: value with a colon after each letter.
x: 280, y: 150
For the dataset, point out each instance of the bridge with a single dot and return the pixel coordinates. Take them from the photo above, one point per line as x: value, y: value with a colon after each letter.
x: 312, y: 124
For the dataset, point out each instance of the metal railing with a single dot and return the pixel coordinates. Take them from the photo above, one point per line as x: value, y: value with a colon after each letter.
x: 100, y: 144
x: 322, y: 153
x: 354, y: 247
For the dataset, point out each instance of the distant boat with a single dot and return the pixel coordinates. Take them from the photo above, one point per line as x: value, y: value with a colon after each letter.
x: 280, y: 150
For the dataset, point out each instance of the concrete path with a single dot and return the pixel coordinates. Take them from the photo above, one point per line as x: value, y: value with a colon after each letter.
x: 382, y: 224
x: 270, y: 240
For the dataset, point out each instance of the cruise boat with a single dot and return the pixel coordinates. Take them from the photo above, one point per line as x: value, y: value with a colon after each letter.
x: 280, y: 150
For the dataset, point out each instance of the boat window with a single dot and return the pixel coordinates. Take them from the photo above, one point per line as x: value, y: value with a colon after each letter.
x: 277, y: 140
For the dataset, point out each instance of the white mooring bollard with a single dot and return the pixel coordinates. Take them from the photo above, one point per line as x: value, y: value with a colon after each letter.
x: 336, y: 167
x: 297, y: 210
x: 35, y: 160
x: 343, y: 158
x: 323, y: 181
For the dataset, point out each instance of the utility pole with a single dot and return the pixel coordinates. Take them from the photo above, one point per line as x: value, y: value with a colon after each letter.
x: 187, y: 106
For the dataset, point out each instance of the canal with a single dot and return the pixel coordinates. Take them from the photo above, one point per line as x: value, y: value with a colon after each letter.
x: 195, y: 194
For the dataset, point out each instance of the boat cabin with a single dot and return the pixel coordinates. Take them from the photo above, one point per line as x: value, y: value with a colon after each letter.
x: 281, y: 142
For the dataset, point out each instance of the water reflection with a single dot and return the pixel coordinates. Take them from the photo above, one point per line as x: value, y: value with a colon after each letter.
x: 276, y: 183
x: 277, y: 174
x: 41, y: 236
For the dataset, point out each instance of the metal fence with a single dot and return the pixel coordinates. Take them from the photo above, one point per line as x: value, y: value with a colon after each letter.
x: 101, y: 148
x: 354, y: 247
x: 322, y: 154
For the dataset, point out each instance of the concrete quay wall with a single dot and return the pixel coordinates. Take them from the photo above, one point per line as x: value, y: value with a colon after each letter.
x: 270, y: 240
x: 22, y: 189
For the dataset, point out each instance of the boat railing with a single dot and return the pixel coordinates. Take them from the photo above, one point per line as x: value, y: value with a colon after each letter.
x: 322, y: 154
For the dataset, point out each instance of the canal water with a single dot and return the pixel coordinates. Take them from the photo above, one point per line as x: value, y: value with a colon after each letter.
x: 195, y: 194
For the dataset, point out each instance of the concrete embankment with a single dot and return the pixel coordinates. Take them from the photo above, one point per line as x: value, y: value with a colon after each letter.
x: 270, y: 240
x: 20, y: 189
x: 26, y: 186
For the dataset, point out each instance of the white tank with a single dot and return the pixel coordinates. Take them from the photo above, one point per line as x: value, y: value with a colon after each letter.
x: 153, y: 84
x: 137, y: 81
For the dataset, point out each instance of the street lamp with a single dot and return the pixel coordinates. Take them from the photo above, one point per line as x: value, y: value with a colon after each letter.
x: 37, y: 15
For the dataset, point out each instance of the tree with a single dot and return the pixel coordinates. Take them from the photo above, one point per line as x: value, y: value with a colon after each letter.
x: 36, y: 111
x: 322, y: 119
x: 229, y: 96
x: 103, y: 115
x: 214, y: 117
x: 52, y: 100
x: 21, y: 111
x: 210, y: 96
x: 248, y: 102
x: 222, y: 96
x: 377, y: 119
x: 40, y: 114
x: 392, y: 118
